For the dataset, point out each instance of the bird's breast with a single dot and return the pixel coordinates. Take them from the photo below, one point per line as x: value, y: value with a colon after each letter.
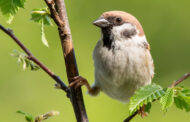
x: 121, y: 71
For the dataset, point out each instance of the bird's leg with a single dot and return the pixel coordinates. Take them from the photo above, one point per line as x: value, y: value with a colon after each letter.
x: 142, y: 112
x: 80, y: 81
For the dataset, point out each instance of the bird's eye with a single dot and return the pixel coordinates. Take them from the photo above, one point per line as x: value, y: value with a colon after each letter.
x: 118, y: 20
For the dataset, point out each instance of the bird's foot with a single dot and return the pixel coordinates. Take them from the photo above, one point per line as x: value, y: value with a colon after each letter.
x: 79, y: 81
x: 142, y: 112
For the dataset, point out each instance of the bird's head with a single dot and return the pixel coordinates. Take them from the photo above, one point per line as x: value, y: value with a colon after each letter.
x: 118, y: 25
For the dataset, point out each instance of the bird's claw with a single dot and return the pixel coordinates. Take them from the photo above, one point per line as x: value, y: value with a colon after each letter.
x: 78, y: 81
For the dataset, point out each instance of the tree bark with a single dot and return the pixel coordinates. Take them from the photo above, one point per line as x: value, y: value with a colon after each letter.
x: 76, y: 96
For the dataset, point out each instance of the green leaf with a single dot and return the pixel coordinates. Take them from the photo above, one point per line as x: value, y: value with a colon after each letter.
x: 145, y: 95
x: 44, y: 40
x: 148, y: 107
x: 20, y: 112
x: 185, y: 92
x: 168, y: 99
x: 182, y: 99
x: 19, y: 3
x: 182, y: 103
x: 9, y: 8
x: 23, y: 59
x: 28, y: 117
x: 40, y: 15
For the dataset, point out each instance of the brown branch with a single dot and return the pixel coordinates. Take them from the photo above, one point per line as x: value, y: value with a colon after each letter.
x: 130, y: 117
x: 34, y: 59
x: 59, y: 15
x: 53, y: 13
x: 175, y: 83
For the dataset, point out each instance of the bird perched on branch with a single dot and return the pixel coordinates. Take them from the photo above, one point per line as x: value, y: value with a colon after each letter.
x: 122, y: 58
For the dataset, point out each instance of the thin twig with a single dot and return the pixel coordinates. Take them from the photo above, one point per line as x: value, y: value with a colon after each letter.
x: 34, y: 59
x: 175, y: 83
x: 130, y: 117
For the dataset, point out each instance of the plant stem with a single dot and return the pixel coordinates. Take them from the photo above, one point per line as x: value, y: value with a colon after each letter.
x: 59, y: 15
x: 175, y: 83
x: 35, y: 60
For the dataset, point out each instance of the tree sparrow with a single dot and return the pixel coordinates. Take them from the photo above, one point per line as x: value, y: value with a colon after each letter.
x: 122, y: 58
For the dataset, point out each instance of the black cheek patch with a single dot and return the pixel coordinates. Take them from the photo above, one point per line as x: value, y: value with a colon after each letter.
x: 129, y: 33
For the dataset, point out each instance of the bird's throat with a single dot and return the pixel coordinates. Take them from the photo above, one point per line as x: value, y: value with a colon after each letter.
x: 107, y: 38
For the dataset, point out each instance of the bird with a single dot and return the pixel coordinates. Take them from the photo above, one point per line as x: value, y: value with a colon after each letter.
x: 122, y: 58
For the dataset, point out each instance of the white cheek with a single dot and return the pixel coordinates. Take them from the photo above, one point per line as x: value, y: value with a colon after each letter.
x: 138, y: 40
x: 134, y: 40
x: 117, y: 30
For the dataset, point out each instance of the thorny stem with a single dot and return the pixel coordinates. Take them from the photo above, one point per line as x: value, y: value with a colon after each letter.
x: 175, y: 83
x: 34, y: 59
x: 59, y: 15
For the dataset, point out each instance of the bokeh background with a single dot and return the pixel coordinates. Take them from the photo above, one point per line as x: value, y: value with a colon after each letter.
x: 167, y: 27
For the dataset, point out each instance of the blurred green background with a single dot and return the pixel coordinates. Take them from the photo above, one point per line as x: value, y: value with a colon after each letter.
x: 167, y: 27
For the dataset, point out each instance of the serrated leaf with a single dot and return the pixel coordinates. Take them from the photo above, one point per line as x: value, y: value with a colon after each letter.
x: 182, y: 104
x: 44, y: 40
x: 145, y: 95
x: 182, y: 99
x: 9, y: 8
x: 19, y: 3
x: 168, y: 99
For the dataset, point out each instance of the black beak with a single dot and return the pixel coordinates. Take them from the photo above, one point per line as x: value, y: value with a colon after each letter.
x: 101, y: 22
